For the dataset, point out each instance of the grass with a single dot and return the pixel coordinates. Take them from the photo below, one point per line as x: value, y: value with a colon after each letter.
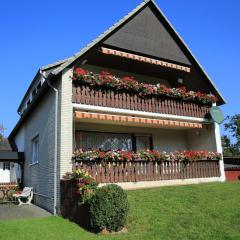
x: 206, y: 211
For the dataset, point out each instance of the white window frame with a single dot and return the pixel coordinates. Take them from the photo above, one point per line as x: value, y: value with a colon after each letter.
x: 35, y: 150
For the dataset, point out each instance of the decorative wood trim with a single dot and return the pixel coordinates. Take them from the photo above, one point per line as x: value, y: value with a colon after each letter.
x: 137, y: 171
x: 144, y: 59
x: 136, y: 120
x: 112, y: 99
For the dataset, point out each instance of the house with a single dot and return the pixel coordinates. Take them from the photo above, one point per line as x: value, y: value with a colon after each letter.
x: 10, y: 166
x: 137, y: 86
x: 232, y: 168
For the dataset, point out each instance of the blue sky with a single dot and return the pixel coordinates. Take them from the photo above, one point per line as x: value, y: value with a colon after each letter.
x: 36, y: 33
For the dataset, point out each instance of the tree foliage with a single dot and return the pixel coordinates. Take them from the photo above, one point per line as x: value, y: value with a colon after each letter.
x: 108, y: 208
x: 4, y: 144
x: 231, y: 142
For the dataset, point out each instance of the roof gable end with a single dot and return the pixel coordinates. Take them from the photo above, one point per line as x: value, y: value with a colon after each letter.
x: 181, y: 53
x: 145, y: 33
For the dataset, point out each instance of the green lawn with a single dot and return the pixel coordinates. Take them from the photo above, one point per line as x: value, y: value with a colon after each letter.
x: 206, y: 211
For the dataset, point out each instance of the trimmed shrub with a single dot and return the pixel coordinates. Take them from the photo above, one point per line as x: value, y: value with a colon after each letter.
x: 108, y: 208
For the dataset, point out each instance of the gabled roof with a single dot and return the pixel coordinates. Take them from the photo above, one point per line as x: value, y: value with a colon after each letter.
x: 54, y: 69
x: 69, y: 61
x: 59, y: 66
x: 146, y: 34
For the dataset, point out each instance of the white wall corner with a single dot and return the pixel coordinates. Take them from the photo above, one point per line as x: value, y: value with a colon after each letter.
x: 219, y: 150
x: 66, y: 124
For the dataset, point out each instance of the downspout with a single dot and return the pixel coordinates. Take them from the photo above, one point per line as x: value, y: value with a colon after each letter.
x: 55, y: 143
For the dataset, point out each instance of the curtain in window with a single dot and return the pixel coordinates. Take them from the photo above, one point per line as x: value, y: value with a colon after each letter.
x: 103, y: 141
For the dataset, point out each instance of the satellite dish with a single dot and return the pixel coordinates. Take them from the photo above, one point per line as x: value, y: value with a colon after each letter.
x: 217, y: 114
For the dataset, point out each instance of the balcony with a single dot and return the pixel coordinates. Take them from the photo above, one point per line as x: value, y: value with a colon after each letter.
x: 86, y: 94
x: 135, y: 171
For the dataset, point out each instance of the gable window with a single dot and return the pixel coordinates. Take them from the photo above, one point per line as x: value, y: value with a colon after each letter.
x: 35, y: 150
x: 112, y: 141
x: 6, y: 166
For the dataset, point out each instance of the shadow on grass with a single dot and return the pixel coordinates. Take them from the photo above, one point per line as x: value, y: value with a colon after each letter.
x: 79, y: 214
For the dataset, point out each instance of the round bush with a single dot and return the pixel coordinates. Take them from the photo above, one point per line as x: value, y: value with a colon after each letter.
x: 108, y: 208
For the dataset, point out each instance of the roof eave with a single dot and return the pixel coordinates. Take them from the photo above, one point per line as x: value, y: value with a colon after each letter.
x: 29, y: 110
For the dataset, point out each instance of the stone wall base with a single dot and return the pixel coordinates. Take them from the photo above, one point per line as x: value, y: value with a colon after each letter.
x: 152, y: 184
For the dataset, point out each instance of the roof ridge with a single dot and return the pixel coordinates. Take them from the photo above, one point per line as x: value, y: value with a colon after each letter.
x: 50, y: 65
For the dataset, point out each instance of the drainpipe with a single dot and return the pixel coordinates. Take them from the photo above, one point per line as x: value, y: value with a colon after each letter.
x: 55, y: 143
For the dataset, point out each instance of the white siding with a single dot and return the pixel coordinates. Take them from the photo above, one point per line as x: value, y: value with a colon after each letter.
x: 203, y: 139
x: 19, y: 141
x: 66, y: 123
x: 40, y: 176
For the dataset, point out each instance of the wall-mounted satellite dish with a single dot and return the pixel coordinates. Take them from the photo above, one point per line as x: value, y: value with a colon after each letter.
x: 217, y: 114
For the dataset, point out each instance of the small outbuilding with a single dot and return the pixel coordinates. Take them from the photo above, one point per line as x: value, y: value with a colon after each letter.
x: 11, y: 166
x: 232, y: 168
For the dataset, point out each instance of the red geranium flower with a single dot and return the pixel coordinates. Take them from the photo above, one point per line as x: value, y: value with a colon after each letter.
x: 79, y: 71
x: 87, y: 181
x: 105, y: 76
x: 101, y: 154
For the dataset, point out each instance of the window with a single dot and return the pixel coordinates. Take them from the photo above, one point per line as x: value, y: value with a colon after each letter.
x: 143, y: 142
x: 35, y: 149
x: 112, y: 141
x: 103, y: 141
x: 6, y: 166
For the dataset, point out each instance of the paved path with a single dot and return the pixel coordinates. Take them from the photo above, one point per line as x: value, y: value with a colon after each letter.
x: 11, y: 211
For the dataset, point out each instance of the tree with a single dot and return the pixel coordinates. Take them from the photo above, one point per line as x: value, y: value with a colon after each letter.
x: 1, y: 133
x: 232, y: 127
x: 4, y: 144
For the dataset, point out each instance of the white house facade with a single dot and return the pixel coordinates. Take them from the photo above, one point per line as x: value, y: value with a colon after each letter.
x: 136, y: 88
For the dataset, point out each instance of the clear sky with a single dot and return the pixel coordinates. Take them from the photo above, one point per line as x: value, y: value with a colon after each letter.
x: 36, y: 33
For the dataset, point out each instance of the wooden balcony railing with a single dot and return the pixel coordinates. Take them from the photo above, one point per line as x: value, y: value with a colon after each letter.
x: 109, y: 98
x: 135, y: 171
